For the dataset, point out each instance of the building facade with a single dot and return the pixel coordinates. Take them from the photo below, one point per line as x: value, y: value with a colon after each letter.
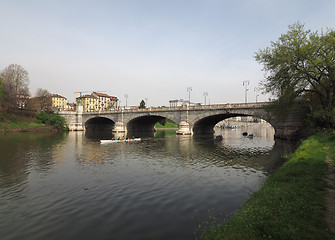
x: 97, y: 102
x: 58, y: 102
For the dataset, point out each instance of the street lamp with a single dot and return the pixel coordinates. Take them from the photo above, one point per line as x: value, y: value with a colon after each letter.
x: 146, y: 102
x: 189, y: 89
x: 256, y: 90
x: 205, y: 95
x: 126, y: 97
x: 246, y: 83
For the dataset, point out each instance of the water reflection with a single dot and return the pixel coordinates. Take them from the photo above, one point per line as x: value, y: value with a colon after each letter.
x: 18, y: 149
x: 69, y: 186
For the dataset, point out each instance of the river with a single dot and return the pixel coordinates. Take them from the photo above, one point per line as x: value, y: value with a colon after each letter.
x: 69, y: 186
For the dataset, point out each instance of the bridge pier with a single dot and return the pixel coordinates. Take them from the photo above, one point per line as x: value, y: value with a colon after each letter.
x: 184, y: 128
x: 119, y: 128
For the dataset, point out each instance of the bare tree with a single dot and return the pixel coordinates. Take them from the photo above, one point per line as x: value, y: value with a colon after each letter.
x: 44, y: 99
x: 15, y: 86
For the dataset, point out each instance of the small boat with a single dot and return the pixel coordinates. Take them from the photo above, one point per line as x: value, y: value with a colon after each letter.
x: 120, y: 140
x: 245, y: 134
x: 250, y: 135
x: 219, y: 138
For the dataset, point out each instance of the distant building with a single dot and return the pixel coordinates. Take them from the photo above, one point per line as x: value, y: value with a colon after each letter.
x: 71, y: 106
x: 105, y: 101
x: 97, y: 102
x: 22, y: 100
x: 58, y: 102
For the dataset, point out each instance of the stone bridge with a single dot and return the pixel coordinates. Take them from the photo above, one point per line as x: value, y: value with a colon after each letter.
x: 190, y: 119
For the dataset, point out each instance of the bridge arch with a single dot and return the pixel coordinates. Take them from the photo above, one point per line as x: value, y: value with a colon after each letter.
x: 205, y: 124
x: 99, y: 124
x: 144, y: 123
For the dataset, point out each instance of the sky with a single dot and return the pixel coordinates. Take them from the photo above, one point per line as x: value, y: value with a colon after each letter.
x: 150, y: 49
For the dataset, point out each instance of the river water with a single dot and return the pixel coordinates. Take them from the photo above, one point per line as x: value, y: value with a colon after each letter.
x: 69, y: 186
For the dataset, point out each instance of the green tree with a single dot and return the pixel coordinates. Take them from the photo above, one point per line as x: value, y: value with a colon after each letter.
x: 54, y: 119
x: 142, y: 104
x: 301, y: 66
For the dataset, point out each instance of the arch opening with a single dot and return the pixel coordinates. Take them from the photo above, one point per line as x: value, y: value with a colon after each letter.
x: 143, y: 124
x: 207, y: 125
x: 99, y: 124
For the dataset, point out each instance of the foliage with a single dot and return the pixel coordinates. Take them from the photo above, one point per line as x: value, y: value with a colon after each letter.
x: 162, y: 122
x: 142, y: 104
x: 166, y: 123
x: 290, y: 204
x: 15, y: 86
x: 52, y: 119
x: 14, y: 122
x: 300, y: 65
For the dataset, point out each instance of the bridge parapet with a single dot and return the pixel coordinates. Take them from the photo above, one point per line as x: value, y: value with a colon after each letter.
x: 183, y: 108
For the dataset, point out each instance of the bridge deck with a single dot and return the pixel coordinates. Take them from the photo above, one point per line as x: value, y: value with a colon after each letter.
x: 183, y: 108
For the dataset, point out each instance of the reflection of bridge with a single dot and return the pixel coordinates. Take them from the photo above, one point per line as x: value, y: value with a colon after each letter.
x: 190, y: 119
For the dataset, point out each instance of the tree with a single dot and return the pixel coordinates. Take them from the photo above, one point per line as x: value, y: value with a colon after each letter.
x: 15, y: 86
x: 142, y: 104
x: 1, y: 89
x: 301, y: 66
x: 44, y: 99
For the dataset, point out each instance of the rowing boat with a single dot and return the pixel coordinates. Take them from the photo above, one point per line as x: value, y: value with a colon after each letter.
x: 120, y: 140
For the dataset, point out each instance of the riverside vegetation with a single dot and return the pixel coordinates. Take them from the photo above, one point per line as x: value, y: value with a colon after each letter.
x: 166, y: 124
x: 31, y: 122
x: 291, y: 203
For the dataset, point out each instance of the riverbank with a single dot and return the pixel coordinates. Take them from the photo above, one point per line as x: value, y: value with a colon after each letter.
x: 27, y: 123
x: 291, y: 204
x: 167, y: 124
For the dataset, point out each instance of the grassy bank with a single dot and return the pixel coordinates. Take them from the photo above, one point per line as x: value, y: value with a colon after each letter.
x: 22, y: 122
x: 290, y: 204
x: 17, y: 122
x: 168, y: 124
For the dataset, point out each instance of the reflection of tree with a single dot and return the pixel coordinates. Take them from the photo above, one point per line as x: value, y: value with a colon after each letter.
x: 21, y: 152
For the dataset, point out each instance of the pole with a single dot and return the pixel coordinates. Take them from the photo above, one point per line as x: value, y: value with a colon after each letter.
x: 246, y: 83
x: 126, y: 97
x: 256, y: 90
x: 189, y: 89
x: 205, y: 95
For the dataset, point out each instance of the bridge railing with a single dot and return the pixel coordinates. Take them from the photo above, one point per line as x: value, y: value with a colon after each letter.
x: 185, y: 107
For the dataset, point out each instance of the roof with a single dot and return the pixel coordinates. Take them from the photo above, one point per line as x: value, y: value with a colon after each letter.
x: 104, y: 95
x: 57, y: 95
x: 86, y: 96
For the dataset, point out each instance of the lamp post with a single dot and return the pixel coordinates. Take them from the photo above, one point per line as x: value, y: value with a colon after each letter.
x: 126, y: 97
x: 189, y: 89
x: 205, y: 95
x: 146, y: 102
x: 256, y: 90
x: 246, y: 83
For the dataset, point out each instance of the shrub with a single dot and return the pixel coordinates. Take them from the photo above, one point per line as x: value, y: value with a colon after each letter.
x: 52, y: 119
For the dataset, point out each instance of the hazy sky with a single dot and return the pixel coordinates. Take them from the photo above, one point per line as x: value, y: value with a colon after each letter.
x: 150, y: 49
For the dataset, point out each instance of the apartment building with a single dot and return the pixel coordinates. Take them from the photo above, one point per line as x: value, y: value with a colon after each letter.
x: 105, y: 102
x: 97, y: 102
x: 89, y: 103
x: 58, y: 102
